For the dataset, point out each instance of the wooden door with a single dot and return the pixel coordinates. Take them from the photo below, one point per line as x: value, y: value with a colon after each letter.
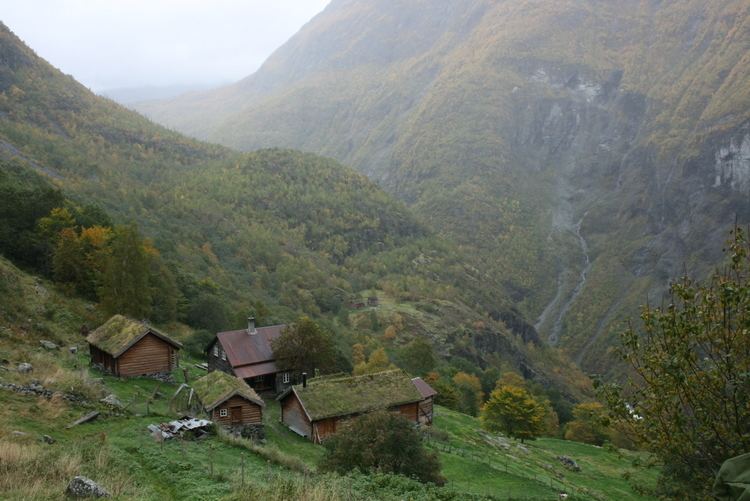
x: 236, y: 414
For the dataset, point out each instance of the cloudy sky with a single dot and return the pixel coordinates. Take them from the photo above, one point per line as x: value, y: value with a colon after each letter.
x: 109, y: 44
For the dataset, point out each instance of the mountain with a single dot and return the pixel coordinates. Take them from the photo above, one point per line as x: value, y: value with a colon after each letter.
x: 582, y: 152
x: 276, y: 231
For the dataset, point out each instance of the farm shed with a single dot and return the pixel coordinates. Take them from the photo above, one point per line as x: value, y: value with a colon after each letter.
x: 426, y: 404
x: 315, y: 409
x: 229, y: 401
x: 127, y: 347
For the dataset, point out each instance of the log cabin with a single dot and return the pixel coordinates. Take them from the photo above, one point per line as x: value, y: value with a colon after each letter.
x: 125, y: 347
x: 230, y: 402
x: 316, y: 409
x: 248, y: 355
x: 426, y: 407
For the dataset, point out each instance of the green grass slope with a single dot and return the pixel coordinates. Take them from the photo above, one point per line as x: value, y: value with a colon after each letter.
x: 118, y: 451
x: 506, y: 123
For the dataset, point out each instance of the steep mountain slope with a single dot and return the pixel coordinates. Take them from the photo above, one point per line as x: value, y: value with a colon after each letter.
x: 582, y: 151
x: 281, y: 232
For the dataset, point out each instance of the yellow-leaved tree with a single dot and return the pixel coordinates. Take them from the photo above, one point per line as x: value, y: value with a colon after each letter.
x: 513, y: 411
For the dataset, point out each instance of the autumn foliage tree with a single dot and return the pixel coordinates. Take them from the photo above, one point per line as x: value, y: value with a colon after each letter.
x: 469, y: 390
x: 513, y: 411
x: 690, y: 400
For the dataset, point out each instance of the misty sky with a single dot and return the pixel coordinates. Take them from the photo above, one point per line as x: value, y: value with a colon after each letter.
x: 109, y: 44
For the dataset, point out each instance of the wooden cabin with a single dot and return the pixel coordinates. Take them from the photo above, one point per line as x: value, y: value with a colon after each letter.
x: 316, y: 409
x: 248, y: 354
x: 426, y: 405
x: 126, y: 347
x: 229, y: 401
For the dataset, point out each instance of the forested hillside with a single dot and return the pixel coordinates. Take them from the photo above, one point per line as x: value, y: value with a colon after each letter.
x: 582, y: 152
x: 222, y: 235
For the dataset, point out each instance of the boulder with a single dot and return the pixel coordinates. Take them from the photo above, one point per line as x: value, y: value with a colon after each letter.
x: 112, y: 401
x: 19, y: 433
x: 73, y: 350
x: 25, y: 368
x: 82, y: 487
x: 48, y: 345
x: 569, y: 463
x: 48, y: 440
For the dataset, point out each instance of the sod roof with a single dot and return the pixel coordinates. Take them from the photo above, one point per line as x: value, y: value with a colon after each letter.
x: 217, y: 387
x: 119, y: 333
x: 340, y: 396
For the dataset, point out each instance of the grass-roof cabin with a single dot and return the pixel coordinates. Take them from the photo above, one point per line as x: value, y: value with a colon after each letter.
x: 127, y: 347
x: 316, y: 409
x: 229, y: 401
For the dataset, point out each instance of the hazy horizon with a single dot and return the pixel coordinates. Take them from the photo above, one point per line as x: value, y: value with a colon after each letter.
x: 141, y: 44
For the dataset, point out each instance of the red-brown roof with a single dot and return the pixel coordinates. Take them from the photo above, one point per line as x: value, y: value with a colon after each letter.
x: 244, y: 349
x: 424, y: 389
x: 254, y: 370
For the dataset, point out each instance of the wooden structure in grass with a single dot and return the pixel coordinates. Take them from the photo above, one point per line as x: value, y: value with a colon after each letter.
x: 426, y: 405
x: 127, y: 347
x: 229, y: 401
x: 316, y: 409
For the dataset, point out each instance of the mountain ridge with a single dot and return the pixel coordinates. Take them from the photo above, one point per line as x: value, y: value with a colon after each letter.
x: 503, y: 124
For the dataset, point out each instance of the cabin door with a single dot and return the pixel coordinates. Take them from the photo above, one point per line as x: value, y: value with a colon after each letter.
x: 236, y: 414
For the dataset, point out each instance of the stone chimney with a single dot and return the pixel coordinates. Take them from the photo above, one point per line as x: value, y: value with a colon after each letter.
x: 304, y: 379
x: 251, y: 326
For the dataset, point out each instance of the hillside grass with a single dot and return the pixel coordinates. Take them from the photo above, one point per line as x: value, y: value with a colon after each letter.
x: 118, y: 451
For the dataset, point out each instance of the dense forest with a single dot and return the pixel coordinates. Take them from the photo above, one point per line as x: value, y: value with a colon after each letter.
x: 216, y: 236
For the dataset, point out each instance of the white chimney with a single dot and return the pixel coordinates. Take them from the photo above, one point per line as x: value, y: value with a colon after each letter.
x: 251, y: 326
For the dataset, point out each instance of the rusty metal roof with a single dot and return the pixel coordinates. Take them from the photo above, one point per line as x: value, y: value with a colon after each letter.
x: 423, y: 388
x: 254, y: 370
x: 244, y: 348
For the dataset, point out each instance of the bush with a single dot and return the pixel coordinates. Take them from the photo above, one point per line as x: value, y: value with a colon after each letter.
x: 381, y: 442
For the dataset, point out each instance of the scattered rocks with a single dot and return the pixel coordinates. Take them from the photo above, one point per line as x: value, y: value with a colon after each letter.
x: 164, y: 377
x: 73, y: 350
x: 25, y: 368
x: 48, y: 345
x: 19, y: 433
x: 112, y: 401
x: 48, y: 440
x: 569, y: 463
x: 82, y: 487
x: 522, y: 448
x: 36, y: 389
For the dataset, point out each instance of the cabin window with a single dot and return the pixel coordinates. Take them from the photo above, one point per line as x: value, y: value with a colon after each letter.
x: 223, y: 413
x: 216, y: 350
x: 286, y: 378
x: 223, y: 355
x: 258, y: 379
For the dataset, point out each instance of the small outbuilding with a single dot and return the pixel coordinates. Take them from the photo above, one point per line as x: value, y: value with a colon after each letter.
x: 127, y: 347
x: 316, y: 409
x: 426, y: 405
x: 230, y: 402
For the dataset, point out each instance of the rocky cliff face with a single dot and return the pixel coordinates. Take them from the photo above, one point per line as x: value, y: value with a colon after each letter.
x: 582, y: 153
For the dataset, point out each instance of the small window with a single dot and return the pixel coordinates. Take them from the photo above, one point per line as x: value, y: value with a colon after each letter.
x: 286, y: 378
x: 223, y: 355
x: 258, y: 379
x: 223, y: 413
x: 216, y: 350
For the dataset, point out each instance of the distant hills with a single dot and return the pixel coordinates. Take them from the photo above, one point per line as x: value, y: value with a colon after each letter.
x: 580, y: 153
x: 131, y: 95
x: 276, y: 232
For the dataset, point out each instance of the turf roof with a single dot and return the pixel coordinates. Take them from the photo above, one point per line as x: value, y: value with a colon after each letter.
x: 341, y: 396
x: 119, y: 333
x: 217, y: 387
